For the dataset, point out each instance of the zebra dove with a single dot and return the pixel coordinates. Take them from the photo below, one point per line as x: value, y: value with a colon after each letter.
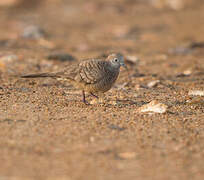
x: 92, y: 75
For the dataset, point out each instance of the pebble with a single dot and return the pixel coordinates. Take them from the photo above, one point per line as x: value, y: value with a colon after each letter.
x: 61, y: 57
x: 116, y: 127
x: 96, y: 101
x: 196, y: 93
x: 187, y: 72
x: 33, y: 32
x: 180, y: 50
x: 4, y: 59
x: 173, y: 4
x: 132, y: 59
x: 153, y: 83
x: 176, y: 4
x: 127, y: 155
x: 92, y: 139
x: 196, y: 101
x: 194, y: 45
x: 184, y: 50
x: 154, y: 106
x: 8, y: 58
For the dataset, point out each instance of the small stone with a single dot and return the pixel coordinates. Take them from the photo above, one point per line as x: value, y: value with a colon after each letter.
x: 173, y: 4
x: 97, y: 101
x: 153, y: 83
x: 196, y: 101
x: 187, y: 72
x: 4, y: 59
x: 180, y: 50
x: 8, y: 58
x: 33, y: 32
x: 176, y: 4
x: 154, y: 106
x: 61, y: 57
x: 127, y: 155
x: 196, y: 93
x: 91, y: 139
x: 132, y: 59
x: 116, y: 127
x: 195, y: 45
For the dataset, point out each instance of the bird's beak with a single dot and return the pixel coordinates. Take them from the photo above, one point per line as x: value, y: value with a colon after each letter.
x: 122, y: 64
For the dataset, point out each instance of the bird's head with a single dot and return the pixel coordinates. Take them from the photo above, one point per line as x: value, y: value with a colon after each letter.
x: 116, y: 60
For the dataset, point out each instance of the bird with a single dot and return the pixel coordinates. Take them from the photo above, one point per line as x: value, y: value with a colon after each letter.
x: 93, y: 76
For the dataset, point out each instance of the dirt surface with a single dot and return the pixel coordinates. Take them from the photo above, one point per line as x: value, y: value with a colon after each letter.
x: 46, y: 132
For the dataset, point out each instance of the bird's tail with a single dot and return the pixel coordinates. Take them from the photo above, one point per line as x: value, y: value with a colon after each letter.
x: 40, y: 75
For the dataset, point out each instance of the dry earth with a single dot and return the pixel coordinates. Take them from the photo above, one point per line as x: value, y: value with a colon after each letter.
x: 46, y: 132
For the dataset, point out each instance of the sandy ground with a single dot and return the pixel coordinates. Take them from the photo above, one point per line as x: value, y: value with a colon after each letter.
x: 47, y: 133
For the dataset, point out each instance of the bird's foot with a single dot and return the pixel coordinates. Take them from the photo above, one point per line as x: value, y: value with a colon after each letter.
x: 94, y: 95
x: 86, y: 102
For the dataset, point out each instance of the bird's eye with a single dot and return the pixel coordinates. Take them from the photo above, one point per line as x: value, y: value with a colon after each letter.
x: 116, y: 60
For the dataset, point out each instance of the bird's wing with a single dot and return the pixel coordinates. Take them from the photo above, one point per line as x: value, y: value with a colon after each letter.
x: 92, y: 71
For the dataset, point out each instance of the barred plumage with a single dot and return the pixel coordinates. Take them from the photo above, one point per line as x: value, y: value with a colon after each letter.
x: 92, y: 76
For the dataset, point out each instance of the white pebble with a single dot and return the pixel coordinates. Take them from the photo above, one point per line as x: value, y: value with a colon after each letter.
x: 153, y: 83
x: 132, y: 59
x: 154, y: 106
x: 187, y: 72
x: 9, y: 58
x: 196, y: 93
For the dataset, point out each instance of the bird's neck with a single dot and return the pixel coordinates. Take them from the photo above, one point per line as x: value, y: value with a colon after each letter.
x: 113, y: 67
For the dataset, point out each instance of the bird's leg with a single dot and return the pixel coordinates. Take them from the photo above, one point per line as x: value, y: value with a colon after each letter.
x: 99, y: 97
x: 94, y: 95
x: 84, y: 97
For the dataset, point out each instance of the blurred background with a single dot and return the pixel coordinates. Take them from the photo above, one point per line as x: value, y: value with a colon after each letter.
x: 143, y: 29
x: 86, y: 28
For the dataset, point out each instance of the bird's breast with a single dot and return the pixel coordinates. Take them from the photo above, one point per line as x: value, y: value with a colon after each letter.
x: 104, y: 84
